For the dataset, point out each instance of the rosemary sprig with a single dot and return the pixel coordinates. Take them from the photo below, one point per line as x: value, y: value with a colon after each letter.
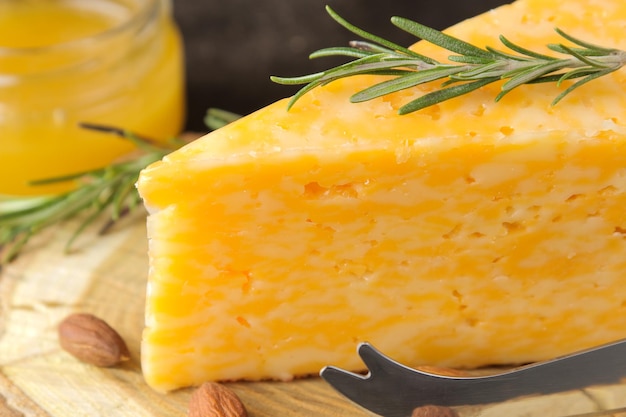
x: 110, y: 189
x: 470, y: 67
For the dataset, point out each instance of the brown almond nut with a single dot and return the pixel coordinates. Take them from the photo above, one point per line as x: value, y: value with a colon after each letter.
x: 212, y: 399
x: 434, y: 411
x: 92, y: 340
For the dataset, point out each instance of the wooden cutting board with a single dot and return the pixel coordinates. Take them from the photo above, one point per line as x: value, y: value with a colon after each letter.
x: 106, y: 276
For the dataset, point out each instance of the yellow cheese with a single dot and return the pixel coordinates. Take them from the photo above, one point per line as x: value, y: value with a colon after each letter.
x: 465, y: 234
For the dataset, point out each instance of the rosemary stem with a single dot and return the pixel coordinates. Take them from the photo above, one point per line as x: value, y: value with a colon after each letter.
x: 617, y: 58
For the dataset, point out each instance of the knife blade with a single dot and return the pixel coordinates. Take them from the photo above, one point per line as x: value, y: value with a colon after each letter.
x: 391, y: 389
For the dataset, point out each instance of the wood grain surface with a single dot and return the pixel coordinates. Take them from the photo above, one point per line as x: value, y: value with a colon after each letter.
x: 106, y: 276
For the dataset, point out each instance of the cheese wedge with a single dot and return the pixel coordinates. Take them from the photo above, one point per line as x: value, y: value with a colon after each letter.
x: 466, y: 234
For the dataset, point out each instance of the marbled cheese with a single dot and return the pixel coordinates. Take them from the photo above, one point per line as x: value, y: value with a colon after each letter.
x: 465, y: 234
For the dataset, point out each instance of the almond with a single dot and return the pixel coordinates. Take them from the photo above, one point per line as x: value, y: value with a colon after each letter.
x: 434, y: 411
x: 91, y: 340
x: 212, y: 399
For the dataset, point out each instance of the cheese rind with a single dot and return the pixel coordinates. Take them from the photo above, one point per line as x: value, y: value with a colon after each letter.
x: 466, y: 234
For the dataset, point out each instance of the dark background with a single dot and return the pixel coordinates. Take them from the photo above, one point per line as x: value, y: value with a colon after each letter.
x: 233, y: 46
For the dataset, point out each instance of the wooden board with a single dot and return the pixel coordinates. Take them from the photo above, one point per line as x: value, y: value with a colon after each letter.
x: 107, y: 277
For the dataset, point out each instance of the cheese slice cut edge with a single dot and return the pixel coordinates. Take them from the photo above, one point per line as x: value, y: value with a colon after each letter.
x: 466, y: 234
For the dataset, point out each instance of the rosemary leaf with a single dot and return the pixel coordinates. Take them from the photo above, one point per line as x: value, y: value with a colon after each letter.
x: 218, y: 118
x: 439, y: 38
x: 584, y: 44
x: 507, y: 56
x: 340, y: 51
x: 367, y: 65
x: 524, y: 51
x: 97, y: 211
x: 584, y: 58
x: 444, y: 94
x: 12, y: 210
x: 403, y: 82
x: 301, y: 93
x: 376, y: 39
x: 575, y: 73
x: 532, y: 73
x: 126, y: 188
x: 585, y: 80
x: 492, y: 69
x: 562, y: 49
x: 470, y: 59
x: 372, y: 48
x: 311, y: 78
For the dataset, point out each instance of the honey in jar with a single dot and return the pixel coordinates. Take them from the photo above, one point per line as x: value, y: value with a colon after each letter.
x: 66, y: 62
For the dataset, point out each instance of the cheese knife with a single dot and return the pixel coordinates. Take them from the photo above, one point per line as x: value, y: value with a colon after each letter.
x: 391, y: 389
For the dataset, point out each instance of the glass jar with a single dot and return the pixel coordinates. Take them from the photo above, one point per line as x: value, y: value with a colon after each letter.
x: 63, y: 62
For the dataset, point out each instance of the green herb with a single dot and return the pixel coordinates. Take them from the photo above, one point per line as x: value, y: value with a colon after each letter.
x: 471, y: 67
x: 110, y: 189
x: 217, y: 118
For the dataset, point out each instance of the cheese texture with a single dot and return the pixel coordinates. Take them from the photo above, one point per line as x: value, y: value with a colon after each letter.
x: 466, y: 234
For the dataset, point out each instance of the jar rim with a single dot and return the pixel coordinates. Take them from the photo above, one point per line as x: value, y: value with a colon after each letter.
x: 142, y: 15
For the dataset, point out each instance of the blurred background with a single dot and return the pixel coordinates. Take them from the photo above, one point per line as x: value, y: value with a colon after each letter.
x: 233, y: 46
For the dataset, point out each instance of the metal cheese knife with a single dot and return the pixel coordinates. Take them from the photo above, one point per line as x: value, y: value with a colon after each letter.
x: 391, y: 389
